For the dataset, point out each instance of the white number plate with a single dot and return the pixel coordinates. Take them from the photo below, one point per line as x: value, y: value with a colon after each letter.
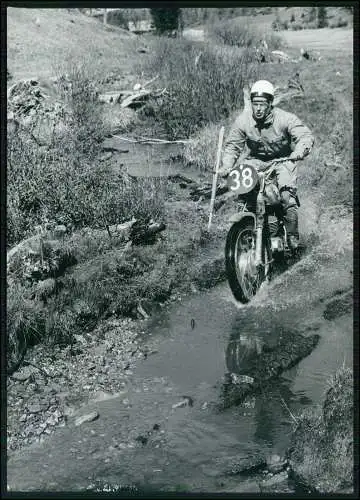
x: 242, y: 179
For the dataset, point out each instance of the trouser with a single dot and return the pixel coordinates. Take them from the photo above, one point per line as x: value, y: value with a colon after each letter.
x: 286, y: 178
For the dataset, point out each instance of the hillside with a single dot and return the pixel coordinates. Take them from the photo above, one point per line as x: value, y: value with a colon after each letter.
x: 39, y: 40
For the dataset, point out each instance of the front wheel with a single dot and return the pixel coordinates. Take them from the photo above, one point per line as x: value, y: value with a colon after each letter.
x: 243, y: 276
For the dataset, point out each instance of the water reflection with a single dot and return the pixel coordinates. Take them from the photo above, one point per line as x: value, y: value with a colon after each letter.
x: 271, y: 398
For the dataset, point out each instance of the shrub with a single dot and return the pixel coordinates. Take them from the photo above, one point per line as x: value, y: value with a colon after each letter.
x: 165, y: 20
x: 322, y: 17
x: 339, y: 23
x: 242, y: 34
x: 64, y: 182
x: 203, y: 84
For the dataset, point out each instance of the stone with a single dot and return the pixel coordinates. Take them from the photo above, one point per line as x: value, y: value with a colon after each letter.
x: 275, y: 464
x: 105, y: 157
x: 90, y: 417
x: 36, y: 408
x: 23, y: 374
x: 245, y: 464
x: 277, y: 484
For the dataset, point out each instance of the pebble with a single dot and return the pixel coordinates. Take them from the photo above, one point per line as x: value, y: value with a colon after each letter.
x: 90, y: 417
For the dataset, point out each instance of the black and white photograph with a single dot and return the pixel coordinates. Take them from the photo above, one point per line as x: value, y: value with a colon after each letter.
x: 179, y: 249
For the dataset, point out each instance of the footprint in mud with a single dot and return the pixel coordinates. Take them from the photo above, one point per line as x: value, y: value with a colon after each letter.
x: 339, y: 306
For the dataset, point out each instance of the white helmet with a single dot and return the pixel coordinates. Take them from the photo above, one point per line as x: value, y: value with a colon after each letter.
x: 262, y: 88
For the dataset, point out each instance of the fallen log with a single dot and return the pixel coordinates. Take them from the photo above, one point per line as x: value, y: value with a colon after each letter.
x: 137, y: 99
x: 142, y: 233
x: 181, y: 178
x: 205, y: 191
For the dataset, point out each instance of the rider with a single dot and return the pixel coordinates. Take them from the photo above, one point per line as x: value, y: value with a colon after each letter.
x: 273, y: 137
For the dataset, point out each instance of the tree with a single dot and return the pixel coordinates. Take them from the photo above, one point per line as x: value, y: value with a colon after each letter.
x: 165, y: 20
x: 322, y: 17
x: 312, y: 14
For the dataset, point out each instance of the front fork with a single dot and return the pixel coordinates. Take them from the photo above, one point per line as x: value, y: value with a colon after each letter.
x: 260, y: 214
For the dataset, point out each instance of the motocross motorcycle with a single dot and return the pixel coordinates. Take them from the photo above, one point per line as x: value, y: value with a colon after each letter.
x: 257, y: 239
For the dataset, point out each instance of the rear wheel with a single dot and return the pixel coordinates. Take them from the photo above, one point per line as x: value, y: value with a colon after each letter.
x: 243, y: 276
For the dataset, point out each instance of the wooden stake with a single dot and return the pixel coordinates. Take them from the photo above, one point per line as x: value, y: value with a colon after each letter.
x: 218, y: 157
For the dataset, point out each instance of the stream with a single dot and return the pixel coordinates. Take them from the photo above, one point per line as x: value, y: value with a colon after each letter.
x: 166, y: 432
x: 146, y: 438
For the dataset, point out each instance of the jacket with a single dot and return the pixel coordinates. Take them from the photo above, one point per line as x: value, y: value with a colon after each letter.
x: 280, y: 135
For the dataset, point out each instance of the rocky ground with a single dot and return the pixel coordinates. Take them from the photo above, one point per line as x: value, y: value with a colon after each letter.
x: 55, y: 382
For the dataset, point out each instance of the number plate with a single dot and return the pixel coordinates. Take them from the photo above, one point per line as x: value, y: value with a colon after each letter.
x: 242, y: 179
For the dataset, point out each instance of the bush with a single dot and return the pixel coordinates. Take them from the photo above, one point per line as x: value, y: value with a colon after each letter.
x: 242, y: 34
x: 165, y: 20
x: 204, y: 84
x: 339, y: 23
x: 322, y: 17
x: 64, y: 182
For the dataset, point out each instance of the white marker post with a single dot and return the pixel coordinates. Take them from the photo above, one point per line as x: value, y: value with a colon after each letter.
x: 218, y: 157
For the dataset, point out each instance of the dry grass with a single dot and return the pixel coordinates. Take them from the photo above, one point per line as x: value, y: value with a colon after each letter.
x: 202, y: 83
x: 322, y: 455
x: 326, y: 40
x: 33, y: 49
x: 243, y: 33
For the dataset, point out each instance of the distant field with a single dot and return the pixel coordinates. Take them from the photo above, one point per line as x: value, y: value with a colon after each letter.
x: 337, y: 39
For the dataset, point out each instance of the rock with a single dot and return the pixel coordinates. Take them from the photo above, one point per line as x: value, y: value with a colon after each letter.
x: 23, y: 374
x: 250, y: 487
x: 105, y: 156
x: 36, y: 408
x: 187, y: 401
x: 90, y: 417
x: 142, y: 439
x: 276, y: 464
x: 241, y: 464
x: 277, y: 484
x: 241, y: 379
x: 23, y: 417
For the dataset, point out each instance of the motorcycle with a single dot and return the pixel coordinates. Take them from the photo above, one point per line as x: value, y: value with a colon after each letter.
x: 257, y: 239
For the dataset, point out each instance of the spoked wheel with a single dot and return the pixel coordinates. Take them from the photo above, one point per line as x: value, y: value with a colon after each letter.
x: 243, y: 276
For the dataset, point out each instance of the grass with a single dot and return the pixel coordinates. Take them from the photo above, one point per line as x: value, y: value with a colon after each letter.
x: 202, y: 83
x: 322, y: 443
x: 103, y: 280
x: 242, y: 33
x: 33, y: 49
x: 64, y: 182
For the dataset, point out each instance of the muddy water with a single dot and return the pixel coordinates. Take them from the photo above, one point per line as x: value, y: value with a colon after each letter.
x: 145, y: 438
x: 147, y: 160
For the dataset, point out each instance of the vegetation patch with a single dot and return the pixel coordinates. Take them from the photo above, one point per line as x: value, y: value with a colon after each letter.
x: 321, y: 455
x: 203, y: 83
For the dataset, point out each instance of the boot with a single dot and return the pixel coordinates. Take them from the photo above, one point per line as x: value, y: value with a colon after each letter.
x: 291, y: 226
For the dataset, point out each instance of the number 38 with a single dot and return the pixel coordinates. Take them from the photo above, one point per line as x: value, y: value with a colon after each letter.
x: 242, y: 179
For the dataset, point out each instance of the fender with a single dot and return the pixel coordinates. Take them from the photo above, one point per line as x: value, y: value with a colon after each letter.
x: 243, y: 215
